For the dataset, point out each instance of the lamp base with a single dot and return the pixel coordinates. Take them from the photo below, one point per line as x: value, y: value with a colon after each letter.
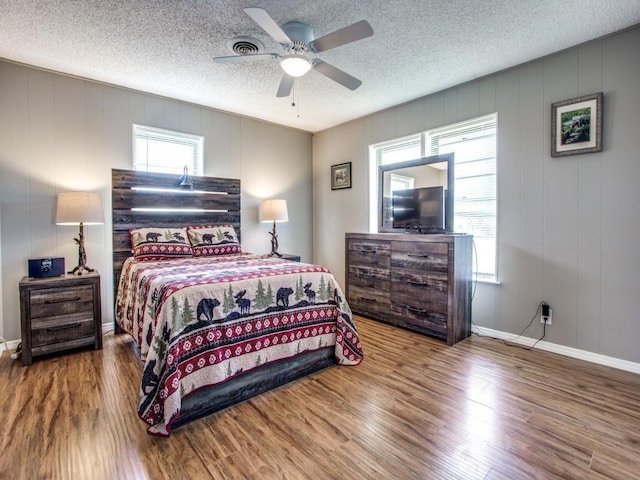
x: 79, y: 269
x: 274, y: 242
x: 82, y: 255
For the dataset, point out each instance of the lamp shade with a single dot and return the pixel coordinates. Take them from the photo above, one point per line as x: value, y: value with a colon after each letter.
x: 274, y: 211
x: 79, y: 207
x: 295, y: 65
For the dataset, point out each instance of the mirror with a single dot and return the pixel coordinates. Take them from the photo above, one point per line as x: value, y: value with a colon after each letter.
x: 436, y: 170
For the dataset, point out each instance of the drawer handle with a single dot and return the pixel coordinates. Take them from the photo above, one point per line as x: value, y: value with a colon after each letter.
x: 417, y: 284
x: 369, y: 299
x: 421, y: 311
x: 50, y: 302
x: 366, y: 252
x: 418, y: 255
x: 63, y: 327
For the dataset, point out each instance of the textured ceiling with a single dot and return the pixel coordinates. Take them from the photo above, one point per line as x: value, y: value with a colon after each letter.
x: 418, y: 47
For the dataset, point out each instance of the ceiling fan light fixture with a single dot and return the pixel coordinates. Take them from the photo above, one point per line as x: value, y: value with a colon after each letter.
x: 295, y: 65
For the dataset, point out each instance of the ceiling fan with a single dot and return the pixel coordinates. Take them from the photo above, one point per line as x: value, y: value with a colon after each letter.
x: 299, y: 43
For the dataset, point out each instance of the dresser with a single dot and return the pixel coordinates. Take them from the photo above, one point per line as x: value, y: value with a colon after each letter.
x: 420, y: 282
x: 59, y: 313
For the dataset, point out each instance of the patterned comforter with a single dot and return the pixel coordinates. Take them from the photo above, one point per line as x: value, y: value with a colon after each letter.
x: 201, y: 321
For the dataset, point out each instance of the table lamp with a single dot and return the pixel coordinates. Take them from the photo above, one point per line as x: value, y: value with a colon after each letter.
x: 274, y: 211
x: 80, y: 208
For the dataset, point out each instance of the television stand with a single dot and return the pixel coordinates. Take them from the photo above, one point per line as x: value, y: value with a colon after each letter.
x: 420, y: 282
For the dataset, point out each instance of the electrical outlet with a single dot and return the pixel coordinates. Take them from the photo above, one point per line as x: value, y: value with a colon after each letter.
x: 546, y: 314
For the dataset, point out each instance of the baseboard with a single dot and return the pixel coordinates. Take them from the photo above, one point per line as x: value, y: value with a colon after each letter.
x: 525, y: 341
x: 561, y: 349
x: 11, y: 345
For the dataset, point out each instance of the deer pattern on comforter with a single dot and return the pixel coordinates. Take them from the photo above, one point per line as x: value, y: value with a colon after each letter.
x: 201, y: 321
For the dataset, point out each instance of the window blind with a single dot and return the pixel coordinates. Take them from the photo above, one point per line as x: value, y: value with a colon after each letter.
x: 165, y: 151
x: 475, y: 205
x: 408, y: 148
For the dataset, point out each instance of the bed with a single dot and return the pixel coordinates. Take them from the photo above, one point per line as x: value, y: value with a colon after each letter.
x: 214, y: 325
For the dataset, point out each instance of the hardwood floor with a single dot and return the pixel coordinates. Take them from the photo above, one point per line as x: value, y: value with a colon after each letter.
x: 415, y: 408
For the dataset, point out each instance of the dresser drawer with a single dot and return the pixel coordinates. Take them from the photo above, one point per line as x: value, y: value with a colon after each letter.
x: 370, y: 277
x: 369, y: 299
x: 421, y: 285
x: 427, y: 303
x: 420, y: 256
x: 62, y: 328
x: 426, y: 317
x: 369, y: 253
x: 61, y: 301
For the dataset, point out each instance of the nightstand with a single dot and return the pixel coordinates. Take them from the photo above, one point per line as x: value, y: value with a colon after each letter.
x: 59, y: 313
x: 288, y: 256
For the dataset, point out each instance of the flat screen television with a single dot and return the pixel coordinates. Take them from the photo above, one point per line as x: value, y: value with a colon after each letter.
x: 419, y: 209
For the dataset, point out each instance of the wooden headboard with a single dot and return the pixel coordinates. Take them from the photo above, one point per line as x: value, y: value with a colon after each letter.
x: 213, y: 200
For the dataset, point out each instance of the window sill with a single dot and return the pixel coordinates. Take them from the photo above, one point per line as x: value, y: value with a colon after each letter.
x: 487, y: 280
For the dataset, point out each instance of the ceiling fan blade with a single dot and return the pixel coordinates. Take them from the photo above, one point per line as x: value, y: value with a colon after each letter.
x: 246, y: 58
x: 264, y: 21
x: 284, y: 90
x: 345, y: 35
x: 337, y: 75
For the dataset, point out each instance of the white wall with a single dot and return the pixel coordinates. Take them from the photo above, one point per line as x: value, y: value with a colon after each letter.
x: 60, y: 133
x: 569, y: 227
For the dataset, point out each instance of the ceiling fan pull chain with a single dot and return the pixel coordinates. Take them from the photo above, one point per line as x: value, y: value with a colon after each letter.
x: 297, y: 88
x: 293, y: 93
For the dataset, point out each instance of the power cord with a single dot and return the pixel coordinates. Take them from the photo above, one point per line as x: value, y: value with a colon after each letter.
x: 475, y: 256
x: 15, y: 355
x: 509, y: 343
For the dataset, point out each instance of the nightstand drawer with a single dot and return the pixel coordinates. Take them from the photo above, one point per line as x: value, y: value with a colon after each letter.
x: 62, y: 328
x: 61, y: 301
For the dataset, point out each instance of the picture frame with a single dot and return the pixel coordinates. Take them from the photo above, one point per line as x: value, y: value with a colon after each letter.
x: 341, y: 176
x: 576, y: 125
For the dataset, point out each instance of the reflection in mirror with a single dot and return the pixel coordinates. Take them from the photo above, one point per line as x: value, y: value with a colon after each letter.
x: 433, y: 171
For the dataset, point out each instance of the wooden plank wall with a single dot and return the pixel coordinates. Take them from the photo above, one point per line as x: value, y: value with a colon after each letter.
x: 210, y: 193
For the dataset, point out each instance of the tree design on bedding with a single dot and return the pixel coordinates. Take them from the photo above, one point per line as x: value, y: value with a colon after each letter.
x: 201, y: 326
x: 235, y: 305
x: 154, y: 237
x: 220, y: 236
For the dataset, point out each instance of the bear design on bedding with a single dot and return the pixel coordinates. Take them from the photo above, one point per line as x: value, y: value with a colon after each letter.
x: 201, y: 326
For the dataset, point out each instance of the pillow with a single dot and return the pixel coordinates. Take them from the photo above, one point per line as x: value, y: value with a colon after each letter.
x: 213, y: 240
x: 157, y: 243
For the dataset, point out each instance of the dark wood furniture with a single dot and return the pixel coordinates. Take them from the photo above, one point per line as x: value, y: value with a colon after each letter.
x: 145, y: 199
x: 290, y: 256
x: 220, y: 199
x: 59, y: 314
x: 421, y: 282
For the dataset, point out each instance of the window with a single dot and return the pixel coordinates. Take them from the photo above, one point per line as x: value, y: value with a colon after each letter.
x: 474, y: 144
x: 399, y: 150
x: 400, y: 182
x: 164, y: 151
